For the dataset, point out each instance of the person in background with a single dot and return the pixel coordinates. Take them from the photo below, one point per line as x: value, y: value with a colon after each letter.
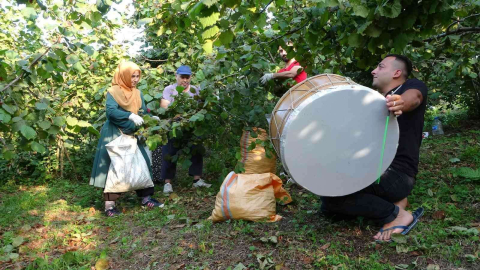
x: 292, y: 70
x: 124, y: 102
x: 168, y: 167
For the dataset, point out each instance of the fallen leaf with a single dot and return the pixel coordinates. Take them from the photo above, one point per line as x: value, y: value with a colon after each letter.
x: 176, y: 267
x: 179, y: 226
x: 433, y: 267
x: 324, y: 247
x: 454, y: 160
x: 26, y: 228
x: 399, y: 238
x: 101, y: 264
x: 307, y: 260
x: 439, y: 215
x: 173, y: 196
x: 240, y: 266
x: 415, y: 253
x: 33, y: 212
x: 401, y: 249
x: 91, y: 210
x: 378, y: 247
x: 17, y: 241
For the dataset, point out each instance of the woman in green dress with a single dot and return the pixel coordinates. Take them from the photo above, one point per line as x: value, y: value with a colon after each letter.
x: 124, y: 101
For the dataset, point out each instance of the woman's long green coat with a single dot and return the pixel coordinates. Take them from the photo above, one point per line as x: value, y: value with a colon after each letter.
x: 117, y: 118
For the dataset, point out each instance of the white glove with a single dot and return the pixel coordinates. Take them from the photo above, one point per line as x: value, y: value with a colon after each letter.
x: 267, y: 77
x: 137, y: 120
x: 156, y: 118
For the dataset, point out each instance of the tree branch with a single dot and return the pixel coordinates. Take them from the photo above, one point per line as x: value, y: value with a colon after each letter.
x: 263, y: 10
x: 23, y: 71
x: 458, y: 31
x: 153, y: 60
x: 289, y: 32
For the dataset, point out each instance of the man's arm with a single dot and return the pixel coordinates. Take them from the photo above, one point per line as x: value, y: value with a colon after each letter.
x: 287, y: 74
x: 406, y: 102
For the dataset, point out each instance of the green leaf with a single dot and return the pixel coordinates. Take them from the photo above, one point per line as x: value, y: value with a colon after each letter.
x: 71, y: 121
x: 41, y: 106
x: 147, y: 98
x: 401, y: 42
x: 37, y: 147
x: 72, y: 59
x: 186, y: 164
x: 197, y: 117
x: 8, y: 155
x: 82, y: 123
x: 53, y: 130
x: 144, y: 21
x: 4, y: 116
x: 360, y: 10
x: 10, y: 109
x: 354, y: 40
x: 93, y: 131
x: 224, y: 115
x: 209, y: 3
x: 28, y: 132
x: 207, y: 46
x: 89, y: 50
x: 59, y: 121
x: 373, y: 31
x: 226, y: 37
x: 44, y: 124
x: 233, y: 3
x: 210, y: 32
x: 390, y: 10
x: 210, y: 20
x: 29, y: 13
x: 79, y: 67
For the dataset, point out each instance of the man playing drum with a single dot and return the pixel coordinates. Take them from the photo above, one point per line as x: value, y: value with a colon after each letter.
x: 385, y: 202
x: 291, y: 70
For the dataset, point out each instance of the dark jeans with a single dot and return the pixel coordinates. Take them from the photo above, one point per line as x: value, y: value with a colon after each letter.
x: 169, y: 168
x: 375, y: 201
x: 140, y: 193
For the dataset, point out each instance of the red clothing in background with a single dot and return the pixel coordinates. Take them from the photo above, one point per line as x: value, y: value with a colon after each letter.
x: 300, y: 77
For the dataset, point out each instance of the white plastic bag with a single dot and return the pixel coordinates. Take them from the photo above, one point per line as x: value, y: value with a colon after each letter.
x: 128, y: 169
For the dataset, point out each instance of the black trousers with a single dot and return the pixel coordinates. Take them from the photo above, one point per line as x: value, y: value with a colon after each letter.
x: 140, y: 193
x: 169, y: 168
x: 375, y: 201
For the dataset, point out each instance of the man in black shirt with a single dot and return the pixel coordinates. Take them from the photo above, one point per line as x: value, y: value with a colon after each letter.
x: 386, y: 202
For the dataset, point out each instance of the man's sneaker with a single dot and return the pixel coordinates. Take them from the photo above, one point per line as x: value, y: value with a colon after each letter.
x: 167, y: 188
x: 201, y: 183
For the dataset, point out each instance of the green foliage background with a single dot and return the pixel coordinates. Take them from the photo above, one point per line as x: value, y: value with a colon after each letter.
x: 53, y: 77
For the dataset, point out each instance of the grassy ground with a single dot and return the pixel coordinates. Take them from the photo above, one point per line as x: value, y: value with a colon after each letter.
x: 61, y: 226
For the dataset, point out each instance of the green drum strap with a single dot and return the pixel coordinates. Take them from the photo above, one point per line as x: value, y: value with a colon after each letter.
x: 383, y: 149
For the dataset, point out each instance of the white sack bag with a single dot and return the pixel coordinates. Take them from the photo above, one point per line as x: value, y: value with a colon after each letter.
x: 128, y: 169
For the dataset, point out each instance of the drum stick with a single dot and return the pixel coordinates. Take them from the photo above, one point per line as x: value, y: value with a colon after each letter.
x: 383, y: 149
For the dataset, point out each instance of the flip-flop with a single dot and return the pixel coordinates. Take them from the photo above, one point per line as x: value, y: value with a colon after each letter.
x: 416, y: 217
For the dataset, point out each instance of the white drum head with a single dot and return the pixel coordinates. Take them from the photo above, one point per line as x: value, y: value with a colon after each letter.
x: 332, y: 142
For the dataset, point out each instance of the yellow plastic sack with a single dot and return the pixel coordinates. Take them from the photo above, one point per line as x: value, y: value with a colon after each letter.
x: 256, y: 161
x: 249, y: 197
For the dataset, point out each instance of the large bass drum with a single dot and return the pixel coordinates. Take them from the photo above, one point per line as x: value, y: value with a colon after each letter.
x: 328, y: 132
